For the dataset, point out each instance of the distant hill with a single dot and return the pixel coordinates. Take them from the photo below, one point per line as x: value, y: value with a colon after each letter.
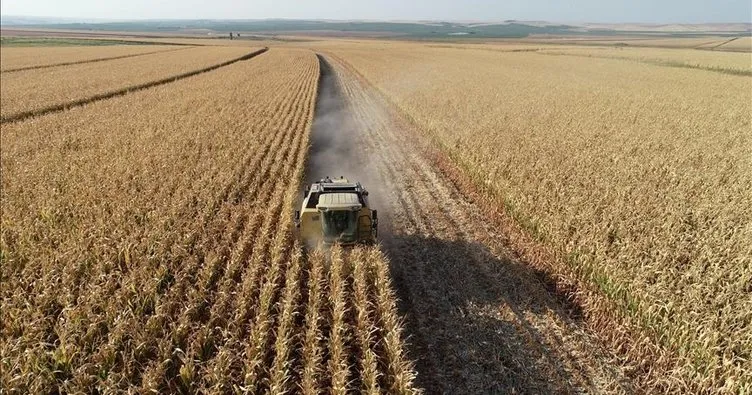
x: 676, y: 27
x: 17, y: 21
x: 409, y: 29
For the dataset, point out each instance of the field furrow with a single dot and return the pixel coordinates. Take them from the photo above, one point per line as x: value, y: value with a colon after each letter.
x: 312, y: 349
x: 364, y: 325
x: 338, y: 364
x: 280, y: 373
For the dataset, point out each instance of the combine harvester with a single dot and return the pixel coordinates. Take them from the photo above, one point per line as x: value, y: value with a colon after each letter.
x: 336, y: 212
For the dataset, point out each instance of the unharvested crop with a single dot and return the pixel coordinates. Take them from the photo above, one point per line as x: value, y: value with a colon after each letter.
x: 34, y: 90
x: 23, y: 58
x: 636, y: 175
x: 741, y: 44
x: 724, y: 62
x: 647, y: 42
x: 147, y: 246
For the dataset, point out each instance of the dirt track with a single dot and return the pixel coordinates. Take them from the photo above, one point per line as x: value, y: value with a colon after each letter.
x: 477, y: 320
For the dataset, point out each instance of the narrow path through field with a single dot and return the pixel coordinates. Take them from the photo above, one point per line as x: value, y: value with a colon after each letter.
x: 477, y: 320
x: 724, y: 43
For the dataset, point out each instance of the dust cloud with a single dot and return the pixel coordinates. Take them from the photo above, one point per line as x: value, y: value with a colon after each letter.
x: 338, y: 147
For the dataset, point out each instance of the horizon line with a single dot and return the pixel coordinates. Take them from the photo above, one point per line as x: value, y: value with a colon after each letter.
x: 488, y: 21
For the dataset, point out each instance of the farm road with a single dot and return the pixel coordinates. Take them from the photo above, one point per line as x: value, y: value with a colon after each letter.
x: 477, y: 320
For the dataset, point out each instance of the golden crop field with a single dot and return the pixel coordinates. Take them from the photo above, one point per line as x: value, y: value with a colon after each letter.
x: 726, y: 62
x: 638, y: 177
x: 20, y: 58
x: 35, y: 90
x: 637, y: 40
x: 556, y: 215
x: 147, y: 246
x: 742, y: 44
x: 737, y: 63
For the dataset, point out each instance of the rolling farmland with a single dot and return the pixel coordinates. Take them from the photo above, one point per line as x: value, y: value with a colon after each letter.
x: 741, y: 44
x: 723, y: 62
x: 152, y: 248
x: 552, y: 218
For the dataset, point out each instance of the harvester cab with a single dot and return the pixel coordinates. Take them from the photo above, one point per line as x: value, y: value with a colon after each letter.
x: 336, y: 211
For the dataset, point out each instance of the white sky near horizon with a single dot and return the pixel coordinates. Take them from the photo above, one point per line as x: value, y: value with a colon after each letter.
x: 608, y: 11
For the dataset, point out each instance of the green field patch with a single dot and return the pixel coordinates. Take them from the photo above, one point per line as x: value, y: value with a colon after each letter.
x: 62, y: 42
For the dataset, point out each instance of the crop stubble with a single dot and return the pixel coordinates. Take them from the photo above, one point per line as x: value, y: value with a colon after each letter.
x: 636, y: 175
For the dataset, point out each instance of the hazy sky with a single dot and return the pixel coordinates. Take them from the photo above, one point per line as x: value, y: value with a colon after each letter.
x: 650, y: 11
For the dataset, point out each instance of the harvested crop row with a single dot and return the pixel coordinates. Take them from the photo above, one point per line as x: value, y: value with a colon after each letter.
x: 20, y: 59
x: 639, y: 184
x: 152, y: 249
x: 33, y: 91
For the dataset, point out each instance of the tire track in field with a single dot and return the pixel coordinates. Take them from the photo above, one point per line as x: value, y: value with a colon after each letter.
x: 479, y: 320
x: 120, y: 92
x: 723, y: 43
x: 47, y: 66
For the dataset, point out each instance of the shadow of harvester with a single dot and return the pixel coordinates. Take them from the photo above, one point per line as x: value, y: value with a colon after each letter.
x: 471, y: 319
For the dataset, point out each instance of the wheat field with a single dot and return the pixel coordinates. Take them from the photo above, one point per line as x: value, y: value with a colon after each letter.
x: 741, y: 44
x: 24, y: 58
x: 637, y: 175
x: 724, y: 62
x: 147, y: 246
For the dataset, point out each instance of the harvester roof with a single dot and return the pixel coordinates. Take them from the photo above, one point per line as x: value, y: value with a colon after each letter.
x: 335, y: 186
x: 339, y: 201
